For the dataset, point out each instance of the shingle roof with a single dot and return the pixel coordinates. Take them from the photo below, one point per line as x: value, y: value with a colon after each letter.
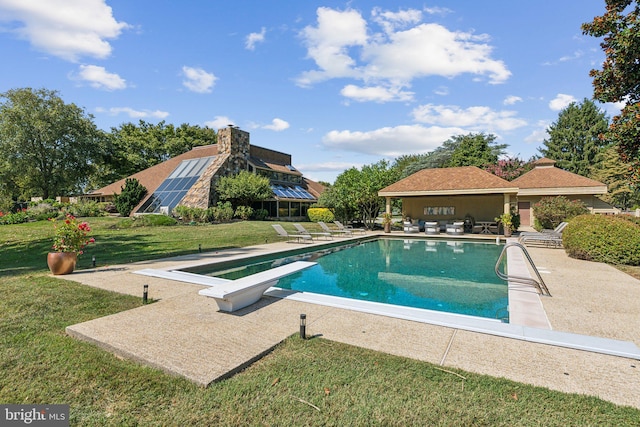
x: 152, y: 177
x: 458, y: 180
x: 546, y: 176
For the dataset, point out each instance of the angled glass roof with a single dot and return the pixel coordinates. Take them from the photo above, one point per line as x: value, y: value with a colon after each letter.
x: 291, y: 192
x: 176, y: 185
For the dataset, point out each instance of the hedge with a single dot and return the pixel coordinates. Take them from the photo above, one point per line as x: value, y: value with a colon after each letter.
x: 320, y: 214
x: 609, y: 239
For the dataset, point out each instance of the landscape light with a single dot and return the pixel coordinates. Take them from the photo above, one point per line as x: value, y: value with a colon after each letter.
x: 303, y: 326
x: 145, y: 294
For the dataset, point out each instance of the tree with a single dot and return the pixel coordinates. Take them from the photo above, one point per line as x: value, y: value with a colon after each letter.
x: 130, y: 196
x: 619, y: 79
x: 474, y: 150
x: 460, y: 150
x: 137, y: 147
x: 355, y: 192
x: 48, y: 147
x: 610, y: 170
x: 244, y: 188
x: 509, y: 168
x: 574, y: 139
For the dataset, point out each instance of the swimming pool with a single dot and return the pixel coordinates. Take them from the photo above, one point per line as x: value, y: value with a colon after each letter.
x: 448, y: 276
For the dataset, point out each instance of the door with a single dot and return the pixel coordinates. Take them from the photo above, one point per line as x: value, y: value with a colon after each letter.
x: 524, y: 208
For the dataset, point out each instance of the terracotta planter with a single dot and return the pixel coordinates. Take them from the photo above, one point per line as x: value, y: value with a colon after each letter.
x: 387, y: 228
x: 507, y: 231
x: 62, y: 262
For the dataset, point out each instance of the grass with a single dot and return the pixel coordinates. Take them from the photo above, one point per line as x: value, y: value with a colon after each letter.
x: 313, y: 382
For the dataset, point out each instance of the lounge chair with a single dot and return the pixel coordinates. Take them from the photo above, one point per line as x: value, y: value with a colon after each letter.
x: 348, y: 227
x: 550, y: 240
x: 431, y: 227
x: 457, y: 228
x: 557, y: 230
x: 326, y: 228
x: 298, y: 237
x: 302, y: 230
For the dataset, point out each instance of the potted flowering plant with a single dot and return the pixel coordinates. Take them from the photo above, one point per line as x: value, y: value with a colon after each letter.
x: 71, y: 237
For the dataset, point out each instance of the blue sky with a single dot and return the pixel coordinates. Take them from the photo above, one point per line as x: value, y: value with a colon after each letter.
x: 335, y: 84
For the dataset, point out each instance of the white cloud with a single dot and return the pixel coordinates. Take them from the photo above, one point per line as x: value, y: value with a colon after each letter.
x: 342, y: 45
x: 384, y: 141
x: 100, y: 78
x: 511, y: 99
x: 576, y: 55
x: 478, y: 118
x: 441, y: 90
x: 253, y: 38
x: 390, y: 21
x: 328, y: 166
x: 198, y: 80
x: 134, y: 114
x: 67, y: 29
x: 328, y: 43
x: 219, y: 122
x: 277, y: 125
x: 561, y: 101
x: 539, y: 134
x: 375, y: 93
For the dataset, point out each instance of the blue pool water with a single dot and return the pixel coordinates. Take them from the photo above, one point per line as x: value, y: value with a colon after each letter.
x: 451, y: 276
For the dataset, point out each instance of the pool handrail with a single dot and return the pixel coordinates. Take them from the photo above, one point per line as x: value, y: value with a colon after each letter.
x: 539, y: 284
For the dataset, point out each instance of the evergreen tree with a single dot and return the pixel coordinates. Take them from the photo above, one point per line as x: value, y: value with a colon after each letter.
x: 615, y: 174
x: 574, y: 139
x: 131, y: 194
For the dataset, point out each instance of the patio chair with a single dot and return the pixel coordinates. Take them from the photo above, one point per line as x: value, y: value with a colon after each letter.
x: 348, y: 227
x: 410, y: 227
x: 457, y: 228
x: 326, y: 228
x: 298, y: 237
x: 431, y: 227
x: 302, y: 230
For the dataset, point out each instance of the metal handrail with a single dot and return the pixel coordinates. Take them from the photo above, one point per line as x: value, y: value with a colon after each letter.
x: 539, y: 284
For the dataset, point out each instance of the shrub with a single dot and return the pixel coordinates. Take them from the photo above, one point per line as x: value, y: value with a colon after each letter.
x: 260, y: 214
x: 244, y: 212
x: 223, y: 212
x: 320, y: 214
x: 551, y: 211
x: 602, y: 238
x: 190, y: 214
x: 14, y: 218
x: 86, y: 208
x: 130, y: 196
x: 43, y: 211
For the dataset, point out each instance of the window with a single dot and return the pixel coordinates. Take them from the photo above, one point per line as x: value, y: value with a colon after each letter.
x: 176, y: 186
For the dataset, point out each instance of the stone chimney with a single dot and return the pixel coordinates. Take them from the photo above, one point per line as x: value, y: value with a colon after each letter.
x: 233, y: 157
x: 235, y: 142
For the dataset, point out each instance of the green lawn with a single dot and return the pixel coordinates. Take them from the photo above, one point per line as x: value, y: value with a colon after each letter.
x: 313, y: 382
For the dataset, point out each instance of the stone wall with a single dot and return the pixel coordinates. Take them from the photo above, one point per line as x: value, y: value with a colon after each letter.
x: 233, y: 157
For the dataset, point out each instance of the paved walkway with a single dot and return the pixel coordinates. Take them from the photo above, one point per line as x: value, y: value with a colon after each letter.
x: 184, y: 334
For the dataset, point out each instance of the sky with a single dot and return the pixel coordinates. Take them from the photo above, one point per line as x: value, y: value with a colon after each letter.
x: 335, y: 84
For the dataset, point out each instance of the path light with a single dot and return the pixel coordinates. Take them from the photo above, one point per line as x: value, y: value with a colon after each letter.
x: 199, y: 247
x: 93, y: 261
x: 145, y: 294
x: 303, y: 326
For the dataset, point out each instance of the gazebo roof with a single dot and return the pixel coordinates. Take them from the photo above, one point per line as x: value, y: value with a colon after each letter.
x: 449, y: 181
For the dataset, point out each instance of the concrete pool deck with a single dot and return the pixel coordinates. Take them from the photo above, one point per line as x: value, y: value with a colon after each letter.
x: 184, y: 334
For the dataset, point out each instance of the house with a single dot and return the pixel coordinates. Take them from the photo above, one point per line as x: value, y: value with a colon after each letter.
x: 190, y: 178
x: 447, y: 194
